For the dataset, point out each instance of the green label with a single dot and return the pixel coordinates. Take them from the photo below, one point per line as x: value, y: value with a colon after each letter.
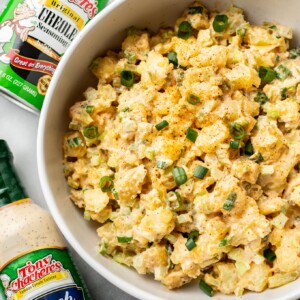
x: 45, y: 274
x: 34, y: 35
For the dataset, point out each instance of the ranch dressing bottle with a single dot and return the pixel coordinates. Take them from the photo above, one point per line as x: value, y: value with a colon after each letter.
x: 34, y: 261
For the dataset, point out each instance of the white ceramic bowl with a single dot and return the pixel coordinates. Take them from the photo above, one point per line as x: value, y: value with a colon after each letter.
x: 72, y: 77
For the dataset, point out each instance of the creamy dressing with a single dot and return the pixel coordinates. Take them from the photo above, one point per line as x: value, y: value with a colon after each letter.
x: 24, y: 226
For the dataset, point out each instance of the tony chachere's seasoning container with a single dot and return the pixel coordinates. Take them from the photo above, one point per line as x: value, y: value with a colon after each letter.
x: 34, y: 35
x: 34, y: 262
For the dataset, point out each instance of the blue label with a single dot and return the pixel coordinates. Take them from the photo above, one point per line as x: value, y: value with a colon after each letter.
x: 64, y: 293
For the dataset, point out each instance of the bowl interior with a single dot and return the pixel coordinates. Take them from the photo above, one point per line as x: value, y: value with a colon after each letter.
x: 106, y: 32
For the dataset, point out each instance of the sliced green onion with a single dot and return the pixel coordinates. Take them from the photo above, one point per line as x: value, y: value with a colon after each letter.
x: 200, y: 172
x: 190, y: 244
x: 207, y: 289
x: 241, y: 31
x: 91, y: 132
x: 193, y: 99
x: 169, y: 251
x: 220, y: 23
x: 249, y: 148
x: 127, y: 78
x: 103, y: 248
x: 258, y: 158
x: 282, y: 72
x: 106, y: 184
x: 284, y: 93
x: 172, y: 57
x: 174, y: 199
x: 229, y: 202
x: 223, y: 243
x: 192, y: 135
x: 87, y: 215
x: 294, y: 53
x: 179, y: 175
x: 266, y: 74
x: 261, y: 97
x: 115, y: 193
x: 194, y: 234
x: 162, y: 125
x: 269, y: 255
x: 237, y: 131
x: 185, y: 30
x: 75, y: 142
x: 124, y: 239
x: 193, y: 10
x: 161, y: 164
x: 234, y: 144
x: 89, y: 108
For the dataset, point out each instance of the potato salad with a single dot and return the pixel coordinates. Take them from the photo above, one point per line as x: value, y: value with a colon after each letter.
x: 187, y: 153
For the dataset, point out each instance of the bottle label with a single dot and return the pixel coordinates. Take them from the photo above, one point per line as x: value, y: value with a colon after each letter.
x: 44, y: 274
x: 34, y: 35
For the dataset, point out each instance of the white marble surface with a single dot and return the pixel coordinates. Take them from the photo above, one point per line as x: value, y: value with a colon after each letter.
x: 19, y: 128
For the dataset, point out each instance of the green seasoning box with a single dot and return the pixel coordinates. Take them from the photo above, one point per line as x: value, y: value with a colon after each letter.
x: 34, y: 35
x: 34, y: 262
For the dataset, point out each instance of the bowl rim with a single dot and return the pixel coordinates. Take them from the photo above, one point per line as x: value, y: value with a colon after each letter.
x: 124, y: 285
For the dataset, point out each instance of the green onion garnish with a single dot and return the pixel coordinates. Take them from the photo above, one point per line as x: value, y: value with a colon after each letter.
x: 282, y: 72
x: 161, y: 164
x: 172, y: 57
x: 89, y: 108
x: 193, y: 99
x: 248, y: 148
x: 229, y: 202
x: 192, y: 135
x: 220, y: 23
x: 106, y: 184
x: 194, y: 234
x: 90, y: 132
x: 234, y: 144
x: 284, y: 93
x: 294, y: 53
x: 193, y: 10
x: 115, y: 193
x: 241, y: 31
x: 207, y: 289
x: 174, y: 200
x: 75, y: 142
x: 103, y: 248
x: 190, y: 244
x: 179, y: 175
x: 124, y: 239
x: 223, y: 243
x: 200, y: 172
x: 161, y: 125
x: 237, y: 131
x: 258, y: 158
x: 185, y: 30
x: 269, y: 255
x: 192, y: 238
x: 261, y: 97
x: 169, y: 251
x: 266, y: 74
x: 127, y: 78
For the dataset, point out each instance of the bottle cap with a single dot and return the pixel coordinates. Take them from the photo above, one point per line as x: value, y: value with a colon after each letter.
x: 10, y: 187
x: 5, y: 151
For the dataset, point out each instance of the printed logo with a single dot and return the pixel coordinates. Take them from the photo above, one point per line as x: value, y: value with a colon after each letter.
x: 34, y: 274
x: 21, y: 25
x: 88, y: 6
